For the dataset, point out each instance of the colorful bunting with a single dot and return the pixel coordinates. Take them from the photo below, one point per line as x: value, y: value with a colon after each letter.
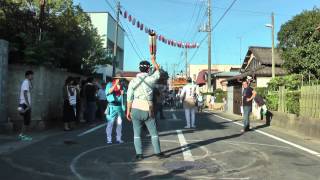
x: 161, y: 38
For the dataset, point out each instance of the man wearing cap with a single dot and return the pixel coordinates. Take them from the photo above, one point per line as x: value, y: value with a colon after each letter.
x: 116, y: 108
x: 140, y: 107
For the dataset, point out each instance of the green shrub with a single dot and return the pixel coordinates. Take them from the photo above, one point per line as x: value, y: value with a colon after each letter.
x: 292, y: 102
x: 220, y: 94
x: 262, y: 91
x: 272, y: 101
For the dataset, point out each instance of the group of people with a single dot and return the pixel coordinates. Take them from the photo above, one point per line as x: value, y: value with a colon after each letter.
x: 137, y: 102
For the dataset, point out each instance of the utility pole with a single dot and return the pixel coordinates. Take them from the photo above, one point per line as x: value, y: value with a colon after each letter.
x: 208, y: 29
x: 115, y: 47
x: 186, y: 59
x: 272, y: 49
x: 173, y: 71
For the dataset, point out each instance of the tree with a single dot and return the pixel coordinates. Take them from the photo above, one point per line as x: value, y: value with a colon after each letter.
x: 68, y: 41
x: 300, y: 44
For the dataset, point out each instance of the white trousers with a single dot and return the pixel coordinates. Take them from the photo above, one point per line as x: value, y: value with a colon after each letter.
x: 109, y: 128
x: 190, y: 113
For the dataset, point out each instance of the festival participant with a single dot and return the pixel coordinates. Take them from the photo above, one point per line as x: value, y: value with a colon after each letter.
x: 115, y: 110
x: 140, y: 106
x: 188, y: 95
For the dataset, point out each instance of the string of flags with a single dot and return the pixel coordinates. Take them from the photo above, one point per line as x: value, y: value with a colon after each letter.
x: 174, y: 43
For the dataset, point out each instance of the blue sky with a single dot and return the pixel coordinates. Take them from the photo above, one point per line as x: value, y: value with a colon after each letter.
x: 179, y: 20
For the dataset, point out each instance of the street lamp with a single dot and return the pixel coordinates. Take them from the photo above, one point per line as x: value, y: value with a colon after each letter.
x: 272, y: 49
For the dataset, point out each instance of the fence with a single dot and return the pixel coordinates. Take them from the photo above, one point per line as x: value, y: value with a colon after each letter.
x: 310, y: 101
x: 304, y: 102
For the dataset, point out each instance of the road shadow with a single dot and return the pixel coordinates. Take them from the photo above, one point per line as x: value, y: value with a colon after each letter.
x: 191, y: 146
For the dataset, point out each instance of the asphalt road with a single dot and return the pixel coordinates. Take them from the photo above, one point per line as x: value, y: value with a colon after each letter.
x: 214, y: 150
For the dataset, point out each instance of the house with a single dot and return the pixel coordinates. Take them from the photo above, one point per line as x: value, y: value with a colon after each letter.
x: 257, y: 64
x: 106, y: 25
x: 217, y: 77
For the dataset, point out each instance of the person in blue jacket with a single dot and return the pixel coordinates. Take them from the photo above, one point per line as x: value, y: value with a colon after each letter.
x: 115, y: 92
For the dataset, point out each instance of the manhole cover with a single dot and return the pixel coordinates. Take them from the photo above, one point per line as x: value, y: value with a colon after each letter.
x: 183, y: 165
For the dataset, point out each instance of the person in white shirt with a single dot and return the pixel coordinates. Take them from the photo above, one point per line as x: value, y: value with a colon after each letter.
x: 25, y: 105
x: 212, y: 101
x: 102, y: 101
x: 188, y: 95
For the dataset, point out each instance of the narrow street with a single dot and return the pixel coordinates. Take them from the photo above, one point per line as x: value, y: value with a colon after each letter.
x: 214, y: 150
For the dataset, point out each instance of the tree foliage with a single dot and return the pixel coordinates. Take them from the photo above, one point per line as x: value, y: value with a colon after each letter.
x: 68, y: 38
x: 300, y: 43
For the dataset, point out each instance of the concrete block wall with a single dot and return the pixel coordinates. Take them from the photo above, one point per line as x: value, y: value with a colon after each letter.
x: 304, y: 125
x: 47, y: 98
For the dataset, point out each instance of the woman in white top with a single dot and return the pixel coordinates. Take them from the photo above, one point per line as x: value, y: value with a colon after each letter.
x: 188, y: 95
x: 70, y: 102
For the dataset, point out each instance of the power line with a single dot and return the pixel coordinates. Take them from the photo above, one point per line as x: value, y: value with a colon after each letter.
x: 251, y: 12
x: 204, y: 38
x: 193, y: 13
x: 131, y: 43
x: 134, y: 41
x: 133, y: 46
x: 224, y: 14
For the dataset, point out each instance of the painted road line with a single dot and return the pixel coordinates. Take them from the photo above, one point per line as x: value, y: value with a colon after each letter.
x: 278, y: 138
x: 184, y: 147
x: 92, y: 129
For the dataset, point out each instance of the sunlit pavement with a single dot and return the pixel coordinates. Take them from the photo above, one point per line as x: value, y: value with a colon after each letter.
x: 214, y: 150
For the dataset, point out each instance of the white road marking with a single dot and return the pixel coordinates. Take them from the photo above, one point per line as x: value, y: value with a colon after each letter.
x: 185, y: 149
x: 92, y: 129
x: 277, y: 138
x: 258, y: 144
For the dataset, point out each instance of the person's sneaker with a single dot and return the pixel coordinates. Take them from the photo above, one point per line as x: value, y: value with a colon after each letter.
x: 139, y: 157
x: 25, y: 138
x: 194, y: 127
x: 120, y: 142
x: 161, y: 155
x: 20, y: 137
x: 187, y: 127
x: 109, y: 142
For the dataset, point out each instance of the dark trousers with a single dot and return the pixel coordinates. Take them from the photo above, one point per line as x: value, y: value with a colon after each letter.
x: 91, y: 110
x: 246, y: 117
x: 102, y: 106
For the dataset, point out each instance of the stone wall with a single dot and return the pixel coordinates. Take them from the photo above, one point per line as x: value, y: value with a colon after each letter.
x: 304, y: 125
x: 3, y: 80
x: 46, y: 95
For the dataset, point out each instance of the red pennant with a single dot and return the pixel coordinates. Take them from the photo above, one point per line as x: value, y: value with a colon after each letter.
x: 130, y: 18
x: 125, y: 15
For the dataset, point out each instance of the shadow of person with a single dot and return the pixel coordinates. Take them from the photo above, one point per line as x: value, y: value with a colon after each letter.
x: 170, y: 175
x: 269, y: 117
x: 194, y: 145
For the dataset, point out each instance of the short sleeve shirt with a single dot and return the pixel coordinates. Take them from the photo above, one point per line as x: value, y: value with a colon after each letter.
x: 25, y: 86
x: 247, y: 93
x: 142, y: 86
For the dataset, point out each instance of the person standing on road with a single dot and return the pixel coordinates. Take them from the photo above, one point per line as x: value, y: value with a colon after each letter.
x: 140, y: 106
x: 115, y: 110
x: 212, y: 101
x: 247, y: 97
x: 200, y: 102
x: 25, y: 105
x: 70, y: 103
x: 90, y: 92
x: 188, y: 96
x: 102, y: 103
